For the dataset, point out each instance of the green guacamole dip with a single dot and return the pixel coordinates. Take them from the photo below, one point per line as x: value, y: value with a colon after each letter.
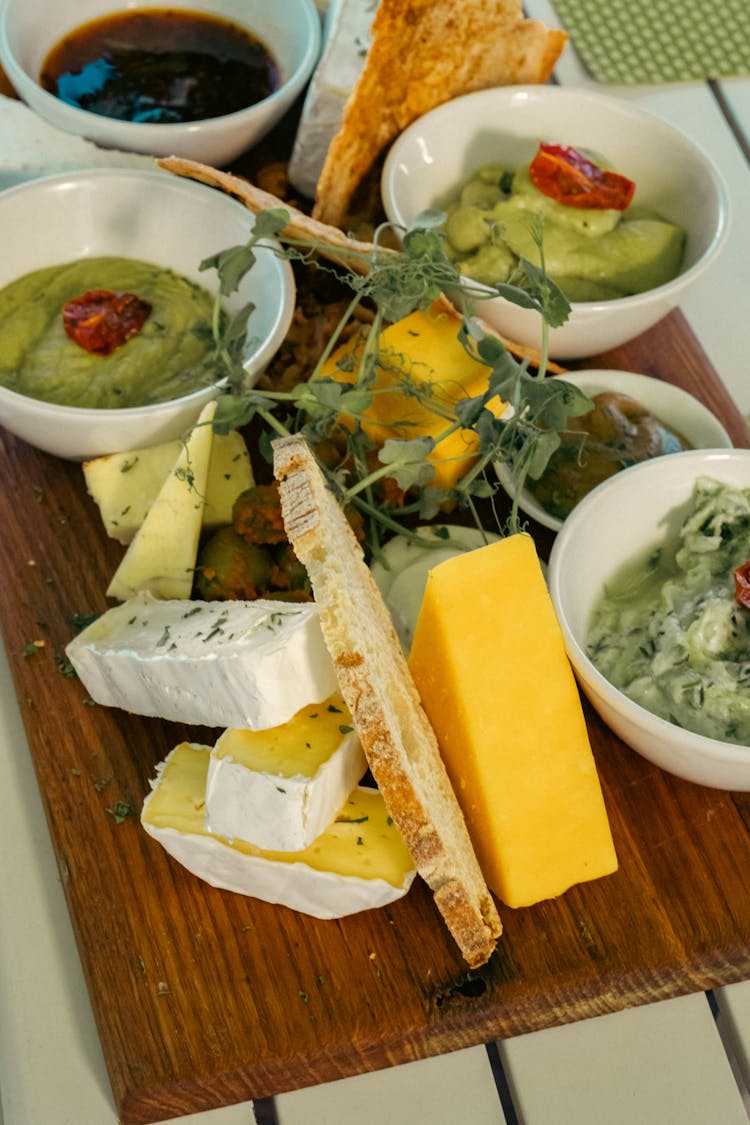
x: 163, y: 361
x: 592, y: 254
x: 668, y: 631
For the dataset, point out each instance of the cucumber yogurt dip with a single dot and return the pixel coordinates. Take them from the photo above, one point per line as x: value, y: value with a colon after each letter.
x: 671, y: 630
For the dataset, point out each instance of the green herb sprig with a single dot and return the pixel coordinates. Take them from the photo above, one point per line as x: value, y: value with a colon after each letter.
x: 395, y: 283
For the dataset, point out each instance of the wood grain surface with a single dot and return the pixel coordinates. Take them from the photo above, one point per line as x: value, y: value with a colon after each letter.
x: 204, y: 998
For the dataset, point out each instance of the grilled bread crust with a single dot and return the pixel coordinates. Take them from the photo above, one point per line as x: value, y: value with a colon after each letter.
x: 375, y: 681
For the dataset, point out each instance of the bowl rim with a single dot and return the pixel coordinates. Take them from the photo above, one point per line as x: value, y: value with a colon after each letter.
x: 580, y: 378
x: 542, y: 93
x: 714, y: 748
x: 189, y: 187
x: 291, y: 85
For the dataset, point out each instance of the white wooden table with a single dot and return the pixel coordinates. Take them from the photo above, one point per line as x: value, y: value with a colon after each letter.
x: 678, y: 1062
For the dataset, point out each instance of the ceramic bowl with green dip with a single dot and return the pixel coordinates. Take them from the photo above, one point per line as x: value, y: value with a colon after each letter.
x: 644, y: 580
x: 616, y: 289
x: 106, y: 316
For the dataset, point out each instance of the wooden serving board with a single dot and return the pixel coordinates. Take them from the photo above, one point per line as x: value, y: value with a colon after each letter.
x: 204, y: 998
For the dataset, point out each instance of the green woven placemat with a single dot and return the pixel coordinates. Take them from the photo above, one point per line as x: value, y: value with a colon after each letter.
x: 635, y: 41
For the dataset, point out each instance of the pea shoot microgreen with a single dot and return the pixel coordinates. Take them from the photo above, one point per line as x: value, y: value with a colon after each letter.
x: 395, y: 283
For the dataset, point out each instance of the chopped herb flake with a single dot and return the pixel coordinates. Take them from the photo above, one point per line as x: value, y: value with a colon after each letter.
x: 65, y: 668
x: 121, y: 810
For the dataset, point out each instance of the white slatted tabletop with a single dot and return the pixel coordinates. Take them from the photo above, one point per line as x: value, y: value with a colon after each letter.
x: 719, y: 309
x: 683, y: 1061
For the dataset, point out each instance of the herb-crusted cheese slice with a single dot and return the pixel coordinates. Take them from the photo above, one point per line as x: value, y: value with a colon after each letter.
x: 280, y: 788
x: 222, y: 664
x: 161, y: 557
x: 489, y: 663
x: 125, y: 485
x: 359, y: 862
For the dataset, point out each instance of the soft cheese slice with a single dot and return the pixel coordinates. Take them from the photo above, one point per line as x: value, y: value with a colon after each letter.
x: 125, y: 485
x: 280, y: 788
x: 358, y: 863
x: 161, y: 557
x: 238, y: 664
x: 346, y: 38
x: 489, y: 662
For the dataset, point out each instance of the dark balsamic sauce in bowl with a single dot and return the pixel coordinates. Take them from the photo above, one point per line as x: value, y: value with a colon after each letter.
x: 162, y: 66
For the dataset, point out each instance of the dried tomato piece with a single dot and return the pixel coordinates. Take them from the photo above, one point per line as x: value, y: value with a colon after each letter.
x: 101, y: 321
x: 564, y: 174
x: 742, y: 585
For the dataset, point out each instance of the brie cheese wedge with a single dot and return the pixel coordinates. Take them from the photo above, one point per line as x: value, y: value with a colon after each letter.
x: 125, y: 485
x: 346, y: 40
x: 161, y: 557
x: 360, y: 862
x: 239, y: 664
x: 280, y: 788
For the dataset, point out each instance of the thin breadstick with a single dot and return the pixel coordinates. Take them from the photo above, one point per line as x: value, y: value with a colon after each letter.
x: 332, y: 243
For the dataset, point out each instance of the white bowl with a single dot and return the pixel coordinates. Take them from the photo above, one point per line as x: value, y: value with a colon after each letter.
x: 155, y: 217
x: 671, y: 405
x: 615, y: 523
x: 437, y: 153
x: 289, y: 28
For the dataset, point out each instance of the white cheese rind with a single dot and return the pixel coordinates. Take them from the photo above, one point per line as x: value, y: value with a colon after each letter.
x: 238, y: 664
x: 321, y: 894
x: 161, y: 557
x: 346, y: 39
x: 172, y: 815
x: 280, y: 813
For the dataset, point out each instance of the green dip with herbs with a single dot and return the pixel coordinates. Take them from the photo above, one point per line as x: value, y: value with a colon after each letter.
x: 669, y: 631
x: 592, y: 254
x: 164, y: 360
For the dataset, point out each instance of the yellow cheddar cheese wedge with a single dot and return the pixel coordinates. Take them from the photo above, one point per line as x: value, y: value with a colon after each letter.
x: 489, y: 661
x: 358, y: 863
x: 422, y: 350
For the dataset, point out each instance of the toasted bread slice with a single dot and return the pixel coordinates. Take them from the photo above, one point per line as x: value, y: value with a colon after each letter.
x: 423, y: 53
x: 399, y: 742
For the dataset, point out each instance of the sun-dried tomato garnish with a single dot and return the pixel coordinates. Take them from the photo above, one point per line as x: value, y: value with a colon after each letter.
x: 742, y: 585
x: 101, y: 321
x: 564, y: 174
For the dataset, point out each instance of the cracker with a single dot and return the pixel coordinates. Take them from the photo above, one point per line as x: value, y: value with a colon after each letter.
x: 424, y: 53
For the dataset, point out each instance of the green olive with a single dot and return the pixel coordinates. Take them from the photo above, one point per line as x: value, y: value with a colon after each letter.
x: 230, y: 567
